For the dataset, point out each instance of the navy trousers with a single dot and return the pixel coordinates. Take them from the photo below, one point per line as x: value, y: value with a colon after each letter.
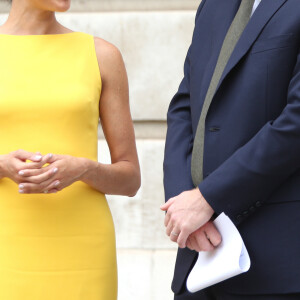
x: 216, y: 293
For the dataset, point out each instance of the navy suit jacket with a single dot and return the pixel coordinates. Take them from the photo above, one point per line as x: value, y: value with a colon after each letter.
x: 252, y: 138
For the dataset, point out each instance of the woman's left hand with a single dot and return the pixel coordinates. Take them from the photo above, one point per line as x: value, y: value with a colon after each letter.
x: 62, y: 171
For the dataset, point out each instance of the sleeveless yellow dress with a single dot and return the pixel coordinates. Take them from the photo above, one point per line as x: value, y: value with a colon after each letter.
x: 53, y: 246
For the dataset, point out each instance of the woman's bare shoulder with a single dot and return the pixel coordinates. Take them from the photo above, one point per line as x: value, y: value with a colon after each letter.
x: 109, y: 56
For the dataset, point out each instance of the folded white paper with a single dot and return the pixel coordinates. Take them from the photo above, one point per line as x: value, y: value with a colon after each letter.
x: 229, y: 259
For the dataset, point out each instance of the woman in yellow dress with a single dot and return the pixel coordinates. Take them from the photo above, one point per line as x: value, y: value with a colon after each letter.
x: 57, y: 237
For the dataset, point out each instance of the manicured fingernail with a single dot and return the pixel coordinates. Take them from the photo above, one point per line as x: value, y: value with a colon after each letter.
x: 38, y: 157
x: 57, y: 183
x: 55, y: 170
x: 21, y: 186
x: 21, y: 173
x: 21, y: 191
x: 50, y: 155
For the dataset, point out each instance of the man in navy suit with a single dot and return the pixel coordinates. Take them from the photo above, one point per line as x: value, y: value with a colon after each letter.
x: 251, y: 149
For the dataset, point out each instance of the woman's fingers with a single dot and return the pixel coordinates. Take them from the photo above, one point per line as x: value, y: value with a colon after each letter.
x: 39, y: 175
x: 25, y: 155
x: 35, y: 164
x: 45, y: 187
x: 45, y: 159
x: 55, y: 185
x: 35, y: 172
x: 53, y: 191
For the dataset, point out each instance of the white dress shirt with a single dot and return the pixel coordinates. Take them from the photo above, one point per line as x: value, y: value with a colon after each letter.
x: 256, y: 3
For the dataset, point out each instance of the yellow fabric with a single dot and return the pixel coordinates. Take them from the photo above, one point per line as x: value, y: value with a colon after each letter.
x: 57, y: 246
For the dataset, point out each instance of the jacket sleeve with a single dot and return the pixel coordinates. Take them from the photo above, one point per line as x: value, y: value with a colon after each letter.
x: 250, y: 176
x: 179, y: 141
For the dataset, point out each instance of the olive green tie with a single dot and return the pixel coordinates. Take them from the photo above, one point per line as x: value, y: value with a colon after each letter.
x: 234, y: 32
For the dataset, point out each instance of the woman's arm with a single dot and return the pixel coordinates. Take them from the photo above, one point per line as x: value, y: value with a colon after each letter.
x: 122, y: 176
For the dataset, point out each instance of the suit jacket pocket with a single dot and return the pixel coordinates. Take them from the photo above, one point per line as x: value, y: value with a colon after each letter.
x: 276, y: 42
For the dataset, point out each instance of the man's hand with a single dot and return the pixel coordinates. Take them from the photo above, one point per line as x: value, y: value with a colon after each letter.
x: 206, y: 238
x: 186, y: 213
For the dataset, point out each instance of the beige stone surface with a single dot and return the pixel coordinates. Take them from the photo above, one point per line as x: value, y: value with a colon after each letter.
x: 153, y: 54
x: 148, y: 130
x: 146, y: 257
x: 146, y: 274
x: 139, y: 220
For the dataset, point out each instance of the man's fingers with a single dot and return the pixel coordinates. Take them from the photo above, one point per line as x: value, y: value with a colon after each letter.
x: 166, y: 206
x: 189, y: 244
x: 192, y: 244
x: 213, y: 234
x: 174, y: 235
x: 169, y: 229
x: 167, y: 219
x: 203, y: 244
x: 181, y: 241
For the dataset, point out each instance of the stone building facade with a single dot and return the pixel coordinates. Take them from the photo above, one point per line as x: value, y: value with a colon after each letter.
x: 153, y: 36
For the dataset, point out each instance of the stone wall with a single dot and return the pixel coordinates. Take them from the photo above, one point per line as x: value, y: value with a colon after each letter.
x: 153, y: 36
x: 123, y: 5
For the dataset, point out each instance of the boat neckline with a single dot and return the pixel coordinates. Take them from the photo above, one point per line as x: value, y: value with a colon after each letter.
x: 39, y: 35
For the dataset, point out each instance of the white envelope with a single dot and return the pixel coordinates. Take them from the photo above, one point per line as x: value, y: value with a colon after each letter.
x: 229, y: 259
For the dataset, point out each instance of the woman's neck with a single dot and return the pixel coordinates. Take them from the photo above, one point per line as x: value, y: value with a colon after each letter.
x: 25, y: 19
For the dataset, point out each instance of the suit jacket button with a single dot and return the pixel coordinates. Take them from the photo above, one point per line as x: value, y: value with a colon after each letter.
x: 246, y: 213
x: 258, y: 204
x: 252, y: 209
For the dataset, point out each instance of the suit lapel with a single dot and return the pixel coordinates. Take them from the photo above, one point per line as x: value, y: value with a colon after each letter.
x: 260, y: 18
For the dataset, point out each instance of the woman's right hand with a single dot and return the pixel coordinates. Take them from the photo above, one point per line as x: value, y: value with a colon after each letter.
x: 12, y: 163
